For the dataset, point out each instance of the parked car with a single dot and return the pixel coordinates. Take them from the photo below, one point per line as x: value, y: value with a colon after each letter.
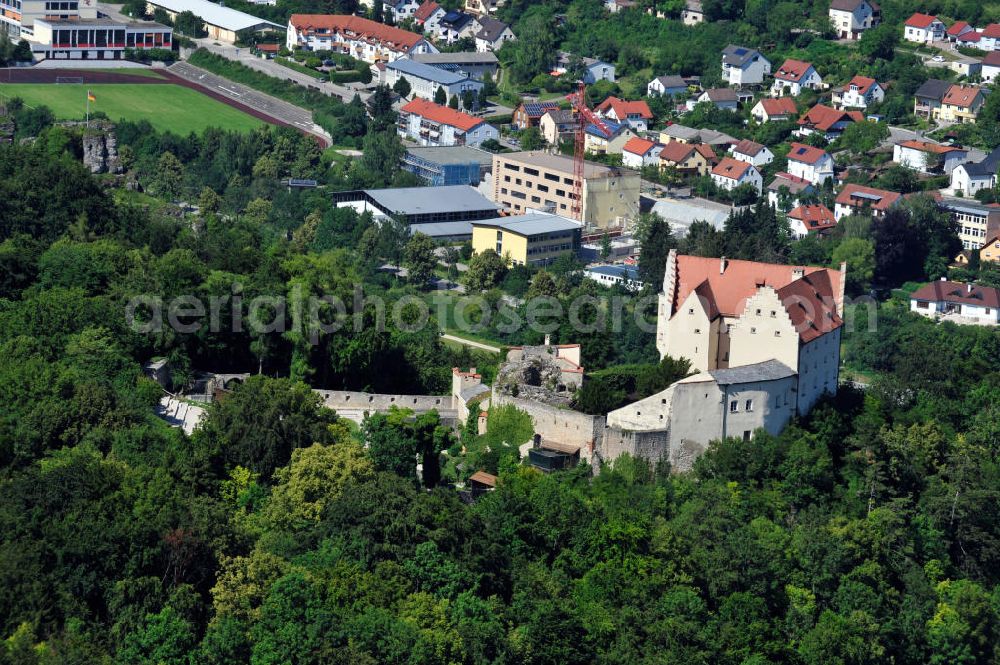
x: 938, y: 58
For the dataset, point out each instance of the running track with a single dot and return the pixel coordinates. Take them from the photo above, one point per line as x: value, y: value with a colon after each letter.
x: 282, y: 113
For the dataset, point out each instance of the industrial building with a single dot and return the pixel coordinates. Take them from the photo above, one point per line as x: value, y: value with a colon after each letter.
x: 448, y: 165
x: 420, y: 205
x: 221, y: 23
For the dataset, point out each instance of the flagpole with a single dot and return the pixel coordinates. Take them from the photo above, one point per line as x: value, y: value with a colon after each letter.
x: 88, y: 109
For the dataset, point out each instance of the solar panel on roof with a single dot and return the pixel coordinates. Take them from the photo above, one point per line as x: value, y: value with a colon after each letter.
x: 866, y: 195
x: 801, y: 151
x: 740, y: 51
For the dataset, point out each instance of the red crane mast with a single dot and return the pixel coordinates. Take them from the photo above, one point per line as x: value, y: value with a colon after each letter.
x: 584, y: 117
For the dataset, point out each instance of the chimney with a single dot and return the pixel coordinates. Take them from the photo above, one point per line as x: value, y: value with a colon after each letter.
x: 548, y: 340
x: 722, y: 265
x: 969, y: 287
x: 472, y: 370
x: 798, y: 273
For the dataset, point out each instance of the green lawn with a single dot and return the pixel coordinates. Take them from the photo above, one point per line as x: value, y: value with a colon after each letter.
x: 167, y: 107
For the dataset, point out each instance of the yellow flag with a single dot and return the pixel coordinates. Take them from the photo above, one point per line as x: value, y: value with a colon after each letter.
x: 90, y: 97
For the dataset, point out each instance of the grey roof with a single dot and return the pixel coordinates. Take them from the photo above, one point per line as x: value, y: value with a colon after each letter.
x: 623, y: 272
x: 969, y: 206
x: 442, y: 229
x: 564, y: 57
x: 933, y: 89
x: 562, y: 164
x: 689, y: 134
x: 453, y: 154
x: 681, y: 213
x: 532, y: 224
x: 561, y: 116
x: 722, y: 95
x: 769, y: 370
x: 739, y: 55
x: 794, y: 186
x: 214, y: 14
x: 671, y: 81
x: 491, y: 29
x: 987, y: 167
x: 473, y: 391
x: 426, y: 72
x: 459, y: 58
x: 845, y: 5
x: 430, y: 200
x: 105, y: 22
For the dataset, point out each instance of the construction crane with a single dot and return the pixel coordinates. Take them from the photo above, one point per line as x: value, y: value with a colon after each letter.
x: 584, y: 117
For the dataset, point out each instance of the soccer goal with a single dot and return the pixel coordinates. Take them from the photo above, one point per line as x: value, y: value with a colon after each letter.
x: 69, y: 79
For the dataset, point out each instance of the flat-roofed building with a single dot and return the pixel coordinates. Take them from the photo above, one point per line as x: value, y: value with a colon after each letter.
x: 425, y: 80
x: 976, y: 223
x: 535, y: 239
x: 539, y: 180
x: 222, y: 23
x: 96, y: 39
x: 420, y: 205
x: 475, y: 65
x: 448, y: 165
x: 17, y: 17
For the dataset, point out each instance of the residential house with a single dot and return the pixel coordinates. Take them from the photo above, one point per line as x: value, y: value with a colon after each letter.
x: 529, y: 114
x: 961, y: 104
x: 957, y: 29
x: 431, y: 124
x: 966, y: 66
x: 991, y: 67
x: 718, y: 140
x: 483, y: 7
x: 400, y: 10
x: 927, y: 99
x: 557, y: 125
x: 923, y: 29
x: 687, y: 158
x: 358, y: 37
x: 752, y: 153
x: 991, y: 37
x: 428, y: 16
x: 768, y: 110
x: 814, y: 165
x: 639, y: 152
x: 635, y: 114
x: 456, y: 25
x: 976, y: 222
x: 730, y: 173
x: 744, y: 66
x: 972, y: 39
x: 861, y: 200
x: 850, y: 18
x: 693, y: 14
x: 492, y: 34
x: 815, y: 218
x: 722, y: 98
x: 859, y: 93
x: 793, y: 76
x: 425, y: 80
x: 826, y: 121
x: 927, y: 157
x: 594, y: 70
x: 969, y: 178
x: 990, y: 252
x: 788, y: 191
x: 609, y: 142
x: 972, y: 302
x: 666, y: 86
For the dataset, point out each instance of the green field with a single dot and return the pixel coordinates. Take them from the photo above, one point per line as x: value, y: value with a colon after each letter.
x: 167, y: 107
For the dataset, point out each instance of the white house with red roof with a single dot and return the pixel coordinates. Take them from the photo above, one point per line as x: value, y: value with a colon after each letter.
x: 826, y: 121
x: 768, y: 110
x: 927, y: 157
x: 401, y: 9
x: 972, y: 302
x: 431, y: 124
x: 957, y: 29
x: 860, y: 200
x: 859, y: 92
x: 793, y: 76
x: 639, y: 152
x: 961, y: 104
x: 815, y: 218
x: 730, y: 173
x: 990, y: 40
x: 991, y: 67
x: 812, y: 164
x: 428, y: 16
x: 358, y: 37
x: 752, y: 153
x: 635, y: 114
x: 923, y: 29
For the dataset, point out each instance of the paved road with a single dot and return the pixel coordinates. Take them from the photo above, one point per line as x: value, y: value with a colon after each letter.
x: 271, y: 106
x: 469, y: 342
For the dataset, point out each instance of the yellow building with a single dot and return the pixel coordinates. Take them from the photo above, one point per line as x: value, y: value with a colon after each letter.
x: 990, y: 252
x: 534, y: 239
x: 961, y: 104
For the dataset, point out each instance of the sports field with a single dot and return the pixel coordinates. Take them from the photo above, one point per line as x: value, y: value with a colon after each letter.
x: 167, y: 107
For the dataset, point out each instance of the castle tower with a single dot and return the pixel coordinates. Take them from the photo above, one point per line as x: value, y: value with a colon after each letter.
x: 665, y: 303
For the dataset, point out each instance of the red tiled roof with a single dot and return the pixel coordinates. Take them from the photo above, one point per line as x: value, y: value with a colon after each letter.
x: 957, y: 27
x: 971, y: 36
x: 992, y: 59
x: 623, y: 108
x: 863, y: 82
x: 731, y: 168
x: 856, y: 196
x: 779, y: 106
x: 992, y: 31
x: 809, y: 299
x: 705, y: 151
x: 268, y: 48
x: 748, y: 147
x: 792, y: 70
x: 919, y: 20
x: 815, y: 217
x: 823, y: 117
x: 961, y: 95
x: 924, y: 146
x: 675, y: 151
x: 425, y: 10
x: 638, y: 146
x: 807, y: 154
x: 442, y: 114
x: 360, y: 27
x: 957, y: 292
